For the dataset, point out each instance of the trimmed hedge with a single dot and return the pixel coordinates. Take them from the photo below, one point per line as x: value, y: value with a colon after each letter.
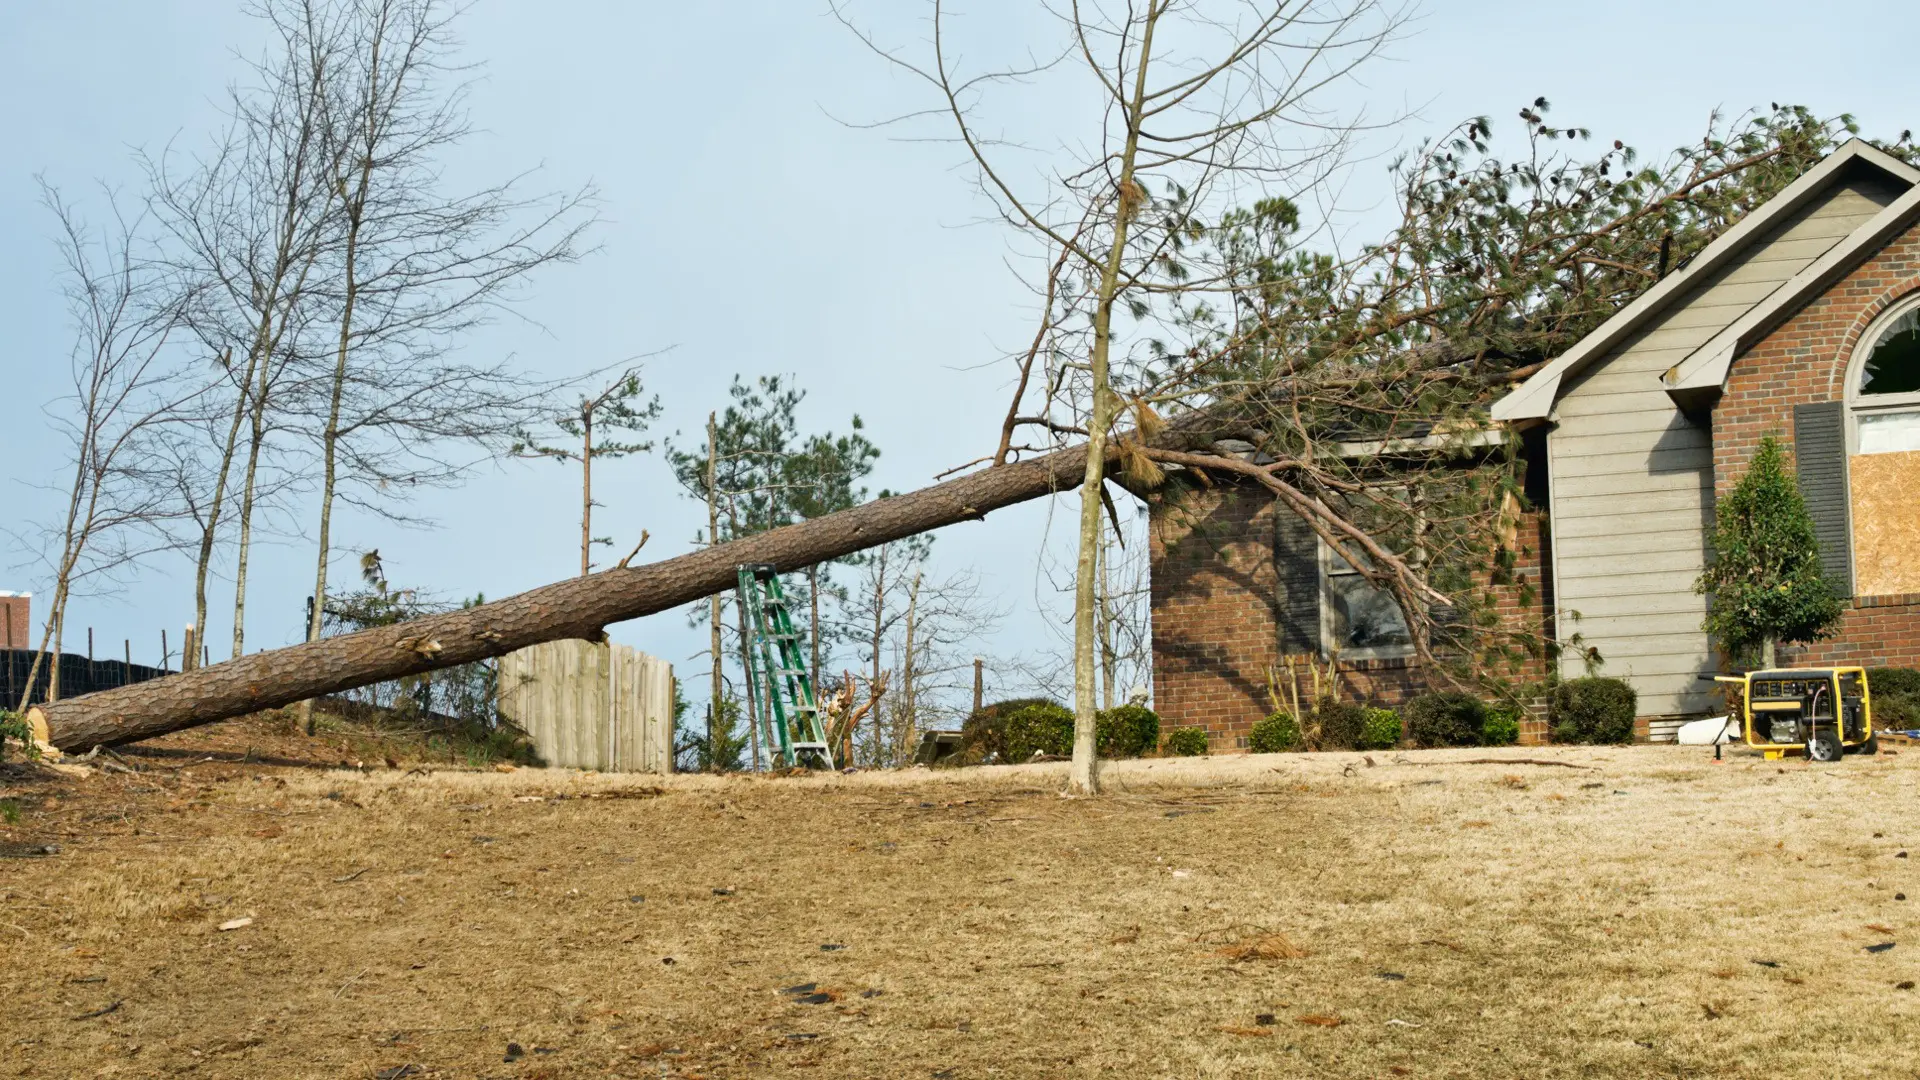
x: 1041, y: 727
x: 1501, y: 727
x: 1277, y: 733
x: 1382, y: 730
x: 1900, y: 681
x: 1592, y: 710
x: 983, y: 735
x: 1127, y: 731
x: 1339, y: 725
x: 1898, y: 712
x: 1187, y: 742
x: 1446, y: 718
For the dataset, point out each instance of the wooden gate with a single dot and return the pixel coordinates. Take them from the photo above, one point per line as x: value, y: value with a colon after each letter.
x: 587, y: 706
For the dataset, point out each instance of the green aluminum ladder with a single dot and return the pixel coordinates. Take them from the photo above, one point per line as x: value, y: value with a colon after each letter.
x: 779, y: 687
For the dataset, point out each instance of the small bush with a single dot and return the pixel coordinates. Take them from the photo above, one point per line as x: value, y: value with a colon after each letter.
x: 13, y: 728
x: 1592, y: 710
x: 1382, y: 730
x: 1041, y: 727
x: 1277, y: 733
x: 1126, y: 731
x: 983, y: 735
x: 1501, y: 727
x: 1338, y: 725
x: 1900, y: 712
x: 1445, y: 718
x: 1893, y: 682
x: 1187, y: 742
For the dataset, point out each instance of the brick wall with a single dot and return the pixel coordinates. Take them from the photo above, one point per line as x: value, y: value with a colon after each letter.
x: 16, y: 624
x: 1214, y: 597
x: 1804, y: 361
x: 1226, y: 612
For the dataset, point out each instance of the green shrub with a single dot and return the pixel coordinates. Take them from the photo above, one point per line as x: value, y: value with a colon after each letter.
x: 1187, y: 742
x: 1278, y: 732
x: 1127, y: 731
x: 1040, y: 727
x: 1899, y: 712
x: 1501, y: 727
x: 983, y: 735
x: 1893, y: 682
x: 1338, y: 725
x: 1592, y: 710
x: 1382, y: 730
x: 13, y: 728
x: 1445, y: 718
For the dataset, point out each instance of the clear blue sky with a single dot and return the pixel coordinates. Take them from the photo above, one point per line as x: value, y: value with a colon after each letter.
x: 754, y: 234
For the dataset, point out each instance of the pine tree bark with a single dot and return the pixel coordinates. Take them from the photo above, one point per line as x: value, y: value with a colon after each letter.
x: 575, y: 608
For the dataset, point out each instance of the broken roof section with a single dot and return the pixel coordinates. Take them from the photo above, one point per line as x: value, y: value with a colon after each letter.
x: 1696, y: 380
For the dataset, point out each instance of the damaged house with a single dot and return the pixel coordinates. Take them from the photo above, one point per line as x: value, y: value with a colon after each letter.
x: 1802, y: 322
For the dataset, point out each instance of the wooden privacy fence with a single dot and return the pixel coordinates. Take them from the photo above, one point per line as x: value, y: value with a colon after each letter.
x: 591, y: 706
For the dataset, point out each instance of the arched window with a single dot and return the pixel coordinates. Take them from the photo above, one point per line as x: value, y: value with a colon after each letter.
x: 1883, y: 383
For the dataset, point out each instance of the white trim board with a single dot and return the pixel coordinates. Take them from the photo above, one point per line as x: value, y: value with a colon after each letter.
x: 1534, y: 399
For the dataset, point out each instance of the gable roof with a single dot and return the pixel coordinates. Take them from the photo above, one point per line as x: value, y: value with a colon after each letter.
x: 1704, y: 371
x: 1535, y: 398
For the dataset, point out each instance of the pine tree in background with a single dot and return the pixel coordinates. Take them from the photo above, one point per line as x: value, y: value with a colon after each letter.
x: 1766, y: 582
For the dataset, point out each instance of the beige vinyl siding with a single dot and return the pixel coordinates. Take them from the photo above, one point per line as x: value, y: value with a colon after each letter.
x: 1632, y: 478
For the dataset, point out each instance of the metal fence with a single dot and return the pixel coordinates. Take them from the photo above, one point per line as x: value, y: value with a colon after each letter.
x: 591, y: 706
x: 78, y: 675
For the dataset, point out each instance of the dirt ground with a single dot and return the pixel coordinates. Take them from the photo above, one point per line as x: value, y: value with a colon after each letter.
x: 1647, y: 913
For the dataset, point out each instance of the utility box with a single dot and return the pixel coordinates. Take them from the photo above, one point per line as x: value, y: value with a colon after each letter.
x: 591, y: 706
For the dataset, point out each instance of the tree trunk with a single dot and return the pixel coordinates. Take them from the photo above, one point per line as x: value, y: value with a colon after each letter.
x: 713, y: 602
x: 873, y: 680
x: 909, y: 698
x: 204, y: 563
x: 813, y: 624
x: 331, y: 439
x: 758, y: 707
x: 575, y: 608
x: 246, y: 521
x: 586, y: 491
x: 1083, y: 775
x: 1767, y: 650
x: 1103, y: 601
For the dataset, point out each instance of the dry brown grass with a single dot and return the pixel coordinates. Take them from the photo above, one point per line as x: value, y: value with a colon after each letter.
x: 1286, y: 915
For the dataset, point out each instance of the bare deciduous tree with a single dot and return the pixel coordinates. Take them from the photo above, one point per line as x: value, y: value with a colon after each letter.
x: 410, y: 268
x: 126, y: 392
x: 1188, y: 109
x: 249, y: 224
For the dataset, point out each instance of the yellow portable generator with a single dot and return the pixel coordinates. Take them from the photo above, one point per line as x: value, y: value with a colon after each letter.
x: 1822, y: 712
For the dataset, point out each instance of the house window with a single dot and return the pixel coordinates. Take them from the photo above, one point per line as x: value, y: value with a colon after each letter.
x: 1358, y: 619
x: 1883, y: 387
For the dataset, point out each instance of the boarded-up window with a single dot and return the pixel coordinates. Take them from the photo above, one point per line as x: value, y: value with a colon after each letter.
x: 1820, y: 452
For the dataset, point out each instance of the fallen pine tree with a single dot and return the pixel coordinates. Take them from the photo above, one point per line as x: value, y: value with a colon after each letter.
x: 576, y: 608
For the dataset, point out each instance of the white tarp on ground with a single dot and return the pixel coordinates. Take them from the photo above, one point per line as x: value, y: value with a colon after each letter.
x: 1714, y: 729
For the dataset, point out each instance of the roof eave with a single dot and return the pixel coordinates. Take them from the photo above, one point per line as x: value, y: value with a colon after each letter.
x: 1522, y: 403
x: 1709, y: 365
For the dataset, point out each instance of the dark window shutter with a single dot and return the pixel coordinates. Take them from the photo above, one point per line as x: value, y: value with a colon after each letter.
x: 1296, y: 564
x: 1820, y: 453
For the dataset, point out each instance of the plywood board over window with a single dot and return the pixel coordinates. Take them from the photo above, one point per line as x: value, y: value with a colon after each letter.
x: 1886, y: 523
